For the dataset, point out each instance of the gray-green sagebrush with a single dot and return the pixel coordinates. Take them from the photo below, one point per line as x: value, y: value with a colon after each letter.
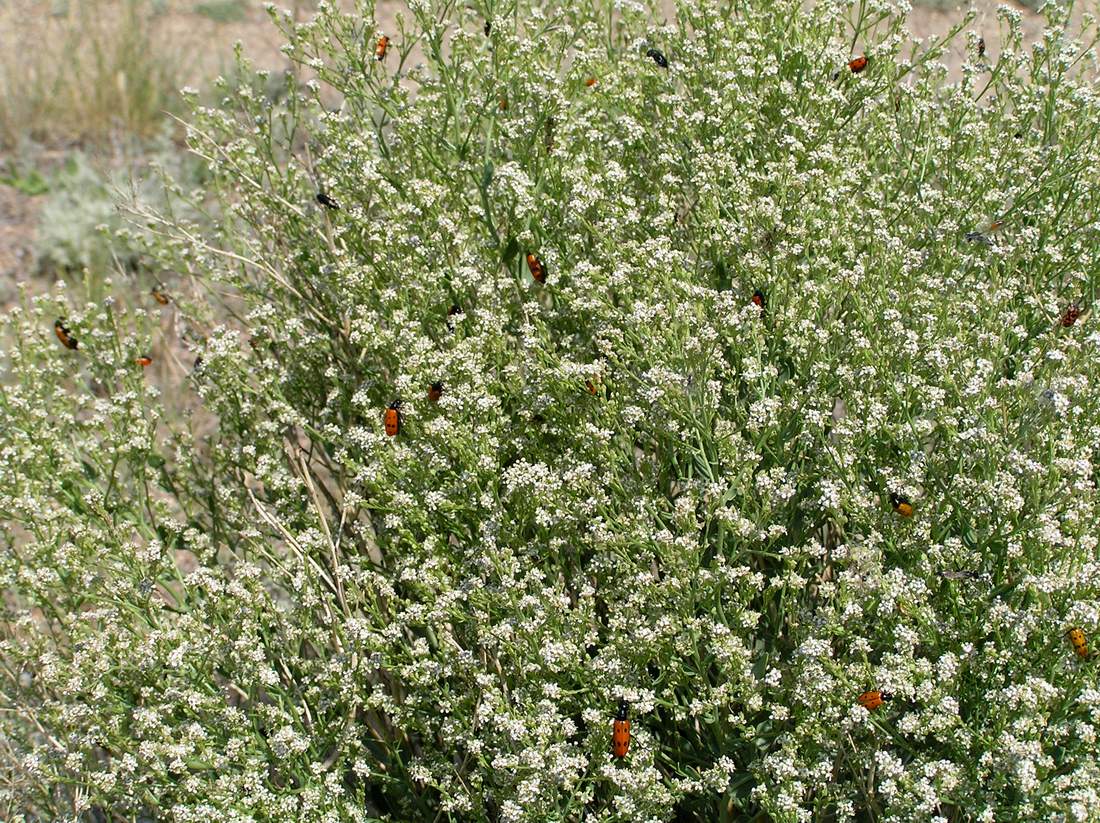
x: 636, y: 484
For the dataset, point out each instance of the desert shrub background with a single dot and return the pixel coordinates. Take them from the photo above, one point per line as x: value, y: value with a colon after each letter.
x: 635, y: 485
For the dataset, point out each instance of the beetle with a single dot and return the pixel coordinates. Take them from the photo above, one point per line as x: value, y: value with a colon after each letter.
x: 435, y: 391
x: 657, y: 58
x: 901, y: 504
x: 959, y: 574
x: 620, y: 732
x: 596, y: 387
x: 452, y: 316
x: 871, y: 700
x: 392, y: 418
x: 538, y: 271
x: 590, y: 82
x: 159, y: 295
x: 857, y: 64
x: 144, y: 361
x: 64, y: 335
x: 1072, y: 312
x: 1080, y: 645
x: 381, y: 47
x: 326, y: 201
x: 981, y: 47
x: 758, y: 299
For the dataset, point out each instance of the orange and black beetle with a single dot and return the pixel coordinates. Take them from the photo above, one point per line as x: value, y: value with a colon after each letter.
x: 981, y: 47
x: 435, y: 391
x: 63, y: 334
x: 537, y: 270
x: 620, y: 732
x: 758, y: 299
x: 327, y: 201
x: 901, y: 504
x: 159, y: 295
x: 596, y: 387
x: 380, y: 48
x: 144, y: 361
x: 1077, y: 639
x: 590, y: 82
x: 871, y: 700
x: 452, y: 316
x: 855, y: 66
x: 392, y: 418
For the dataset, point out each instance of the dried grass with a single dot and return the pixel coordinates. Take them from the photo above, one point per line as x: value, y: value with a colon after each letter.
x: 86, y: 71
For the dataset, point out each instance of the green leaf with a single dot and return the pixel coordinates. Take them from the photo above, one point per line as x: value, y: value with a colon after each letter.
x: 510, y: 250
x: 32, y: 183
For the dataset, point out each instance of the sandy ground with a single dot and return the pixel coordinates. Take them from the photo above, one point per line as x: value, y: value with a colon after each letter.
x: 18, y: 218
x: 19, y: 213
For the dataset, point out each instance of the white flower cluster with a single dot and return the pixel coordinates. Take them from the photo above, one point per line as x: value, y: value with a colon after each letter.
x: 684, y: 385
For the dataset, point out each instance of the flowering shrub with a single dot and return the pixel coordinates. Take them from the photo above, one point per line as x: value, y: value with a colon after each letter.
x: 795, y: 417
